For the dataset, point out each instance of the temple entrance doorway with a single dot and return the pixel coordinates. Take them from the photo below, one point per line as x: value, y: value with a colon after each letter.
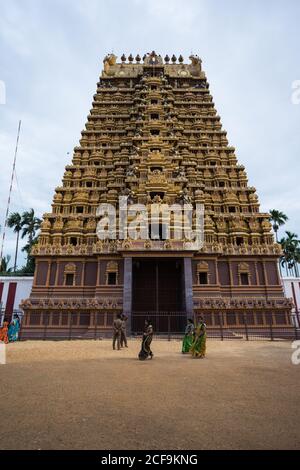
x: 158, y: 293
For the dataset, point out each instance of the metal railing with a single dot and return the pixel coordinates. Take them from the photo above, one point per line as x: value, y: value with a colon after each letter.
x: 171, y: 325
x: 167, y: 325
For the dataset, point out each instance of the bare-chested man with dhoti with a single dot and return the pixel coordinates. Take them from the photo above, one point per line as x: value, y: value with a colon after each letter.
x: 117, y: 332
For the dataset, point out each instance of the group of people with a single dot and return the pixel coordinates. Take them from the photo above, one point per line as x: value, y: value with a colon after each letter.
x: 9, y: 333
x: 194, y: 341
x: 120, y: 338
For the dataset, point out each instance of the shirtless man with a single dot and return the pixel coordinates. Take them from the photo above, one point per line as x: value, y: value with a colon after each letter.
x: 117, y: 332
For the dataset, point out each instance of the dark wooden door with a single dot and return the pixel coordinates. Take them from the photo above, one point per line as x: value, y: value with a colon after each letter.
x: 158, y: 292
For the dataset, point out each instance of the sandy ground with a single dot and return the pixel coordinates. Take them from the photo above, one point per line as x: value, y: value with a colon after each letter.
x: 82, y: 395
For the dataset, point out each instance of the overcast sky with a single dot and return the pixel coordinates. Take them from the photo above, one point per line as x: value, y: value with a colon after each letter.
x: 51, y: 55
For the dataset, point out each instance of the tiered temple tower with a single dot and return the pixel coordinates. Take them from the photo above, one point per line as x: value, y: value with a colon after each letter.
x: 154, y: 136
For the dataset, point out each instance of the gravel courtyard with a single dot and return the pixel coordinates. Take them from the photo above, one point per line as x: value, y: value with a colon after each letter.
x: 83, y: 395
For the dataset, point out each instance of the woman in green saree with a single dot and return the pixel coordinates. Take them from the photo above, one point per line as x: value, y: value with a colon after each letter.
x: 198, y: 348
x: 188, y: 337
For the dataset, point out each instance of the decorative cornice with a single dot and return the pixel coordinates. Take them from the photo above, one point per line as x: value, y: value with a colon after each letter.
x: 217, y: 303
x: 223, y: 303
x: 71, y: 304
x: 117, y: 246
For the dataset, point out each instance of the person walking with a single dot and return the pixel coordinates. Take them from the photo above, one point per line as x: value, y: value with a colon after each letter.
x: 198, y: 348
x: 188, y: 337
x: 146, y: 342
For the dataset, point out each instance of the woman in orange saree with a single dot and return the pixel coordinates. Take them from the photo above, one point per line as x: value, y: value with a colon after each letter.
x: 4, y: 332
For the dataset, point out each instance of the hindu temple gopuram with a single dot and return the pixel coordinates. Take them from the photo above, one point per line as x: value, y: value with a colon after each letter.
x: 153, y: 135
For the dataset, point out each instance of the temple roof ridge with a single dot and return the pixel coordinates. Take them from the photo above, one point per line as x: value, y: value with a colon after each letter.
x: 151, y: 58
x: 173, y: 66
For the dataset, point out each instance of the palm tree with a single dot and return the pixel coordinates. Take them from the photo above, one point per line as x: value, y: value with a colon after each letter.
x: 15, y: 221
x: 293, y: 250
x: 4, y: 269
x: 291, y: 253
x: 30, y: 225
x: 277, y: 219
x: 284, y: 259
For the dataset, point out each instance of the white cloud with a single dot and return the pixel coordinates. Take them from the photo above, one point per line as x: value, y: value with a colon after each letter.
x: 51, y: 54
x: 14, y: 38
x: 177, y: 14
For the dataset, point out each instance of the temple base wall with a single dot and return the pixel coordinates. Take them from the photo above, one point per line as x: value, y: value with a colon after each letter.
x: 228, y: 291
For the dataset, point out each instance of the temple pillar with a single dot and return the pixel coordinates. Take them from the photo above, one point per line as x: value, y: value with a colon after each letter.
x: 188, y: 287
x: 127, y: 292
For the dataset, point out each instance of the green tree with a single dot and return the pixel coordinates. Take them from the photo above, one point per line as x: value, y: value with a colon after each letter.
x: 291, y: 253
x: 30, y: 226
x: 4, y: 269
x: 277, y: 219
x: 15, y: 221
x: 30, y: 263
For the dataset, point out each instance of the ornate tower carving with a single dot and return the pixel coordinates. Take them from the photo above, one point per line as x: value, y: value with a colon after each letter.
x: 153, y: 134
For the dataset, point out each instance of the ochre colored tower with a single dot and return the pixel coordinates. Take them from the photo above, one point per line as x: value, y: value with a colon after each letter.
x: 154, y: 136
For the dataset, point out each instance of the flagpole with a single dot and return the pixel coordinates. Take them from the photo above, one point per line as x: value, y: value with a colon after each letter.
x: 10, y: 191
